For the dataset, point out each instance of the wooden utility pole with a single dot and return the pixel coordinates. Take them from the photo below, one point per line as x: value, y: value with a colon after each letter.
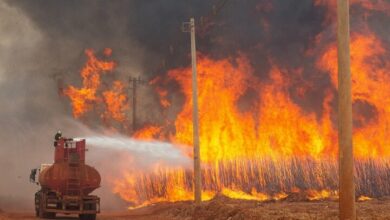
x: 346, y: 168
x: 134, y: 81
x: 190, y: 27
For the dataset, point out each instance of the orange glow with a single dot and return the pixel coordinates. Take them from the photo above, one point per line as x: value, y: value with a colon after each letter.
x: 369, y: 86
x: 148, y: 133
x: 256, y: 142
x: 314, y: 195
x: 268, y: 129
x: 163, y: 100
x: 273, y: 128
x: 364, y: 198
x: 153, y: 191
x: 238, y: 194
x: 84, y: 98
x: 109, y: 103
x: 116, y: 102
x: 81, y: 99
x: 274, y: 132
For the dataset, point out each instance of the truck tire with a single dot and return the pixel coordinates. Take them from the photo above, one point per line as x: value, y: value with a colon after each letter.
x: 46, y: 215
x: 90, y: 206
x: 49, y: 215
x: 41, y: 213
x: 37, y: 203
x: 87, y: 216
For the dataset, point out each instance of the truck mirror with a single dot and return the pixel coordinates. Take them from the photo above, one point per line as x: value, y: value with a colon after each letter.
x: 32, y: 175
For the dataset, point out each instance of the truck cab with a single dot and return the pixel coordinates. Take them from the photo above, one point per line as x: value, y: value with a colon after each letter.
x: 34, y: 175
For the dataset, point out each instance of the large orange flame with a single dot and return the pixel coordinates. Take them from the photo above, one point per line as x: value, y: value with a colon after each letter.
x: 84, y: 98
x: 275, y: 126
x: 116, y: 102
x: 369, y: 86
x: 92, y: 97
x: 256, y: 141
x: 241, y: 146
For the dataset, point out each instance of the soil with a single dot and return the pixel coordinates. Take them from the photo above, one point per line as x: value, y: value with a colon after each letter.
x: 232, y: 209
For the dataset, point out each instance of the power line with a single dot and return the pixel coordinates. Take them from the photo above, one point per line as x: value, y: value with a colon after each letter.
x: 134, y: 82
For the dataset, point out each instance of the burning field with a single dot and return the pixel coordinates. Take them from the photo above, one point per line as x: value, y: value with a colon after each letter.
x: 267, y: 84
x: 260, y: 138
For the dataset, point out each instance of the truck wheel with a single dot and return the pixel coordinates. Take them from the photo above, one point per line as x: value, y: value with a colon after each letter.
x: 36, y: 204
x: 87, y: 216
x: 91, y: 207
x: 50, y: 215
x: 42, y: 214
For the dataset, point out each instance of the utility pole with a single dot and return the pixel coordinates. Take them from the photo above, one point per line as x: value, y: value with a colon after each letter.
x: 134, y: 81
x: 346, y: 167
x: 190, y: 27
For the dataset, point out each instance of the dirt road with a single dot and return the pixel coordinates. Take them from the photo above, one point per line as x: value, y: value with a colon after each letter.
x: 230, y: 209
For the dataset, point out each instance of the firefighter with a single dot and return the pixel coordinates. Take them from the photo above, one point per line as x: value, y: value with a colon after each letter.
x: 58, y: 136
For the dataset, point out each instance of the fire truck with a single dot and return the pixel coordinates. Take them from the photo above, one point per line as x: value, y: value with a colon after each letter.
x: 67, y: 184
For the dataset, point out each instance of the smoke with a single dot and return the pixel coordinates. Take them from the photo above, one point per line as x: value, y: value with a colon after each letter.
x: 19, y: 101
x: 31, y: 110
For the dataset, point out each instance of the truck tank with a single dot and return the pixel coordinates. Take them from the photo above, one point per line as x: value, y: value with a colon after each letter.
x: 69, y: 175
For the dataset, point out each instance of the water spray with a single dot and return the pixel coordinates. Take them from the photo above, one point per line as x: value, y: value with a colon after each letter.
x: 153, y: 149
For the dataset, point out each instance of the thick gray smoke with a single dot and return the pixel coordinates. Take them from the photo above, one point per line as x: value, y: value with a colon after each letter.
x: 31, y: 110
x: 22, y: 145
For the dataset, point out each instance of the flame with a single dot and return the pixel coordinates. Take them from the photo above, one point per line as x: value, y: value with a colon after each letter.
x: 84, y: 98
x: 238, y: 194
x: 175, y: 184
x: 93, y: 97
x: 163, y: 97
x: 369, y: 84
x: 148, y: 133
x: 240, y: 146
x: 152, y: 191
x: 268, y: 129
x: 364, y: 198
x: 314, y: 195
x: 116, y: 102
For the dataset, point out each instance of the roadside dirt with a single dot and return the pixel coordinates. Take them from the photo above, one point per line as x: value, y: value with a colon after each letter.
x: 222, y: 208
